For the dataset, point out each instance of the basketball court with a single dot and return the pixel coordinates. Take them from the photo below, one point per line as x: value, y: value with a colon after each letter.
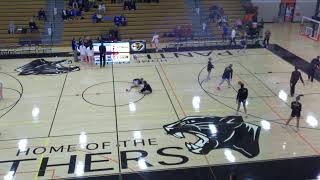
x: 85, y: 124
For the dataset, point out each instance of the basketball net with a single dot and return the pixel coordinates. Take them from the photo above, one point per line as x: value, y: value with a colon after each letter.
x: 310, y: 28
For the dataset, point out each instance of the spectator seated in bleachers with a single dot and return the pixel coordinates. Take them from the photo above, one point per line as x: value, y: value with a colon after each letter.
x: 73, y: 3
x: 238, y: 23
x: 72, y: 13
x: 102, y: 8
x: 32, y: 25
x: 117, y: 20
x: 80, y: 3
x: 11, y: 29
x: 99, y: 18
x: 92, y: 3
x: 126, y: 4
x: 181, y: 33
x: 114, y: 34
x: 253, y: 30
x: 94, y: 18
x: 79, y: 14
x: 225, y: 32
x: 123, y: 20
x: 215, y: 13
x: 42, y: 14
x: 64, y: 14
x: 223, y: 21
x: 130, y: 4
x: 261, y: 24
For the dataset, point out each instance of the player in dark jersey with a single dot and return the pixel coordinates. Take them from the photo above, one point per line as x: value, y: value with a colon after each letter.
x: 210, y: 66
x: 146, y: 88
x: 226, y: 76
x: 138, y: 82
x: 296, y: 108
x: 295, y: 76
x: 314, y: 65
x: 242, y: 97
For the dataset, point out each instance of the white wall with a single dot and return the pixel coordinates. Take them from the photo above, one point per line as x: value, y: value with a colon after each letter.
x: 268, y: 9
x: 305, y: 8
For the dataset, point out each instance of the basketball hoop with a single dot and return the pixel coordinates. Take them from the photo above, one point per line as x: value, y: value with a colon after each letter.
x: 310, y: 28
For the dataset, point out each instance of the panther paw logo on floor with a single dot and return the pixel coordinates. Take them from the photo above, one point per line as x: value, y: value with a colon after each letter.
x: 216, y: 133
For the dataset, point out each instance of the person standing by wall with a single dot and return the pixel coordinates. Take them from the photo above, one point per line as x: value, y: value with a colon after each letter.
x: 267, y: 36
x: 314, y: 65
x: 204, y: 27
x: 75, y: 50
x: 224, y: 33
x: 102, y: 51
x: 295, y: 76
x: 233, y: 37
x: 243, y: 43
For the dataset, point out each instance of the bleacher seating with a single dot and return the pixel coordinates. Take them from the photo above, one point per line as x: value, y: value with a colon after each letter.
x: 142, y: 23
x: 160, y: 17
x: 232, y: 8
x: 20, y: 12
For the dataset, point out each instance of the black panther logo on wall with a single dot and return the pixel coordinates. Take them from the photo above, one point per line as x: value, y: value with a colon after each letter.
x: 218, y: 132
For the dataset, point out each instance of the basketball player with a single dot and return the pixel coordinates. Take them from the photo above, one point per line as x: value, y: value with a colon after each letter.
x: 210, y: 66
x: 135, y: 83
x: 155, y: 41
x: 295, y: 76
x: 314, y: 65
x: 226, y: 76
x: 242, y: 97
x: 146, y: 88
x: 296, y: 108
x: 90, y: 54
x: 83, y: 55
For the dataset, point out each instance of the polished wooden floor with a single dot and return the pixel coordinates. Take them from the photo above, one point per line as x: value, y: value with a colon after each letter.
x: 86, y: 124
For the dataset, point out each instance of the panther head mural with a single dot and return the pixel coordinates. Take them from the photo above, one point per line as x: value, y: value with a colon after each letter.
x: 217, y: 132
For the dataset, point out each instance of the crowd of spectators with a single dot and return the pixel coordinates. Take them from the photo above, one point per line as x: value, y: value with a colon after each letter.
x: 246, y: 27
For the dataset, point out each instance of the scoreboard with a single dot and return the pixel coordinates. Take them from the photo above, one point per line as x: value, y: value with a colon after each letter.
x: 119, y: 51
x: 119, y: 47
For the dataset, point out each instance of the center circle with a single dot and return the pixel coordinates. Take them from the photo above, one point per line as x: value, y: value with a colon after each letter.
x: 104, y: 93
x: 211, y: 88
x: 11, y: 97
